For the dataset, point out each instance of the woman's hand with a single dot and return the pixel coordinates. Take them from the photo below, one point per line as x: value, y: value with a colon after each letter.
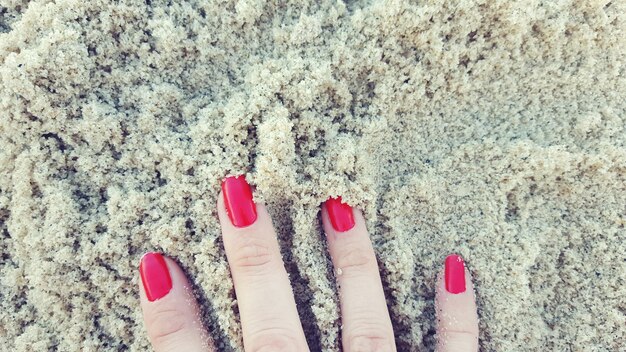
x: 267, y: 307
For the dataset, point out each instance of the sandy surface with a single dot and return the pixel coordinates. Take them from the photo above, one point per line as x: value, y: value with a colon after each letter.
x: 489, y: 128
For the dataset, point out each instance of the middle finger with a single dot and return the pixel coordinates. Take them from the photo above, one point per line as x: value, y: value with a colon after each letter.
x: 365, y: 319
x: 269, y: 318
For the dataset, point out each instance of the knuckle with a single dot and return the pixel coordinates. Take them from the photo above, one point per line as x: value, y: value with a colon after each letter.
x: 278, y: 340
x: 370, y: 343
x: 253, y: 254
x: 355, y: 259
x: 370, y: 337
x: 165, y: 325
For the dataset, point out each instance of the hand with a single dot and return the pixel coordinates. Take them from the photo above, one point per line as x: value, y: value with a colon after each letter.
x: 267, y: 307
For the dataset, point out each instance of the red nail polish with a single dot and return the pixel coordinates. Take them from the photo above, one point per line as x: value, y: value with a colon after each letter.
x: 155, y: 277
x: 340, y: 214
x: 455, y: 274
x: 238, y: 200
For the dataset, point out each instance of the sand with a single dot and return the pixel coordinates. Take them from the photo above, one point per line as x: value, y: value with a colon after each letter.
x: 494, y: 129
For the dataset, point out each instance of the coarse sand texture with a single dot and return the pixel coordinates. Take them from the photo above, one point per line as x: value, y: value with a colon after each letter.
x: 493, y: 129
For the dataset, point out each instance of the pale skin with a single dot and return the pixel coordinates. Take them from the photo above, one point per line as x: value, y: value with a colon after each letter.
x: 267, y: 307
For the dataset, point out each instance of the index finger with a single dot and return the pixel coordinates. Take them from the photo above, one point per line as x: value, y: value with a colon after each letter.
x: 170, y: 310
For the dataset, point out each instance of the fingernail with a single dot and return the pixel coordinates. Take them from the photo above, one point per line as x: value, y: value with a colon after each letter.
x: 340, y: 214
x: 455, y: 274
x: 155, y: 277
x: 238, y: 200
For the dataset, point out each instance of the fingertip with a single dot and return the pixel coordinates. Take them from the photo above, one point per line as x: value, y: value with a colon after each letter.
x: 344, y: 222
x: 178, y: 275
x: 161, y: 276
x: 340, y: 213
x: 155, y: 276
x: 457, y: 319
x: 237, y: 210
x: 239, y: 201
x: 169, y: 308
x: 454, y: 276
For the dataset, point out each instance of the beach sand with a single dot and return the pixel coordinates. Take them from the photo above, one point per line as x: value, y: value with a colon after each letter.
x: 493, y: 129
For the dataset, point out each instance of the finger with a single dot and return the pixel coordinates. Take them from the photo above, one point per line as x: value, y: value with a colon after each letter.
x: 267, y: 308
x: 365, y: 319
x: 170, y: 311
x: 457, y: 327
